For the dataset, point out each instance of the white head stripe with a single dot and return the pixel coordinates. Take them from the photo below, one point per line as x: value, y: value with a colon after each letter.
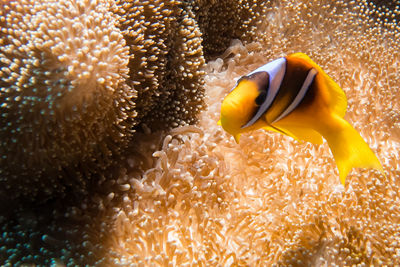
x: 276, y: 71
x: 236, y: 84
x: 300, y: 95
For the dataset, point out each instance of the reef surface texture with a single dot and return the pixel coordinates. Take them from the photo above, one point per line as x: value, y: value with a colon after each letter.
x: 78, y: 78
x: 193, y: 197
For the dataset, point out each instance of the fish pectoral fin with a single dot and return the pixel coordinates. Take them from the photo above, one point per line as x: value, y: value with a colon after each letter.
x: 297, y: 133
x: 280, y: 130
x: 268, y: 128
x: 302, y: 134
x: 219, y: 122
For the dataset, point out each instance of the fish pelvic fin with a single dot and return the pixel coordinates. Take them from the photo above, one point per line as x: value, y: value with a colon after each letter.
x: 237, y: 138
x: 348, y: 148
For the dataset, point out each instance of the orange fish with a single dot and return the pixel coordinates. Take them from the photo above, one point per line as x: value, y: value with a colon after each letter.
x: 292, y: 95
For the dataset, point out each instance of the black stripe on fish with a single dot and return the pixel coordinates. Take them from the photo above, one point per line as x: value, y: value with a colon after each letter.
x: 295, y: 76
x: 300, y: 95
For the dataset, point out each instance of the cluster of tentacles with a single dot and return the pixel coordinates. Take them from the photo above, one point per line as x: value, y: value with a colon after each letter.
x: 90, y: 89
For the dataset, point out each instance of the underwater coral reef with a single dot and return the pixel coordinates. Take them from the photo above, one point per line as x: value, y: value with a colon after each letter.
x: 81, y: 124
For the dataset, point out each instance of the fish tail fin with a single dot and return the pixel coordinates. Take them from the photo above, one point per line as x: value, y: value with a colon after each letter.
x: 349, y: 149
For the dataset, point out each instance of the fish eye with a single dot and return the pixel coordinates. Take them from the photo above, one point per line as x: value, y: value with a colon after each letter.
x: 261, y: 98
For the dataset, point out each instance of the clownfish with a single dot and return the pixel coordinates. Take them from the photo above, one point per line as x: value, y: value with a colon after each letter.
x: 293, y: 96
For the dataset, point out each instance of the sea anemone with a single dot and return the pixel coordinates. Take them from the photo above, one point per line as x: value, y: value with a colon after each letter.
x: 166, y: 61
x: 201, y: 199
x: 65, y: 107
x: 78, y: 78
x: 224, y: 20
x: 272, y: 200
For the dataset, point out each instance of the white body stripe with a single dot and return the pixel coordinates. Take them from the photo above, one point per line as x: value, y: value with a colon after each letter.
x: 300, y: 95
x: 276, y: 71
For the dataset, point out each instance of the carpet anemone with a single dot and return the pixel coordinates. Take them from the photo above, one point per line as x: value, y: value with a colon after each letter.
x: 195, y: 197
x: 272, y: 200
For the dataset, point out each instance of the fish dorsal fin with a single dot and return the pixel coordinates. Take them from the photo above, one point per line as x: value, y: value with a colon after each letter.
x: 338, y: 101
